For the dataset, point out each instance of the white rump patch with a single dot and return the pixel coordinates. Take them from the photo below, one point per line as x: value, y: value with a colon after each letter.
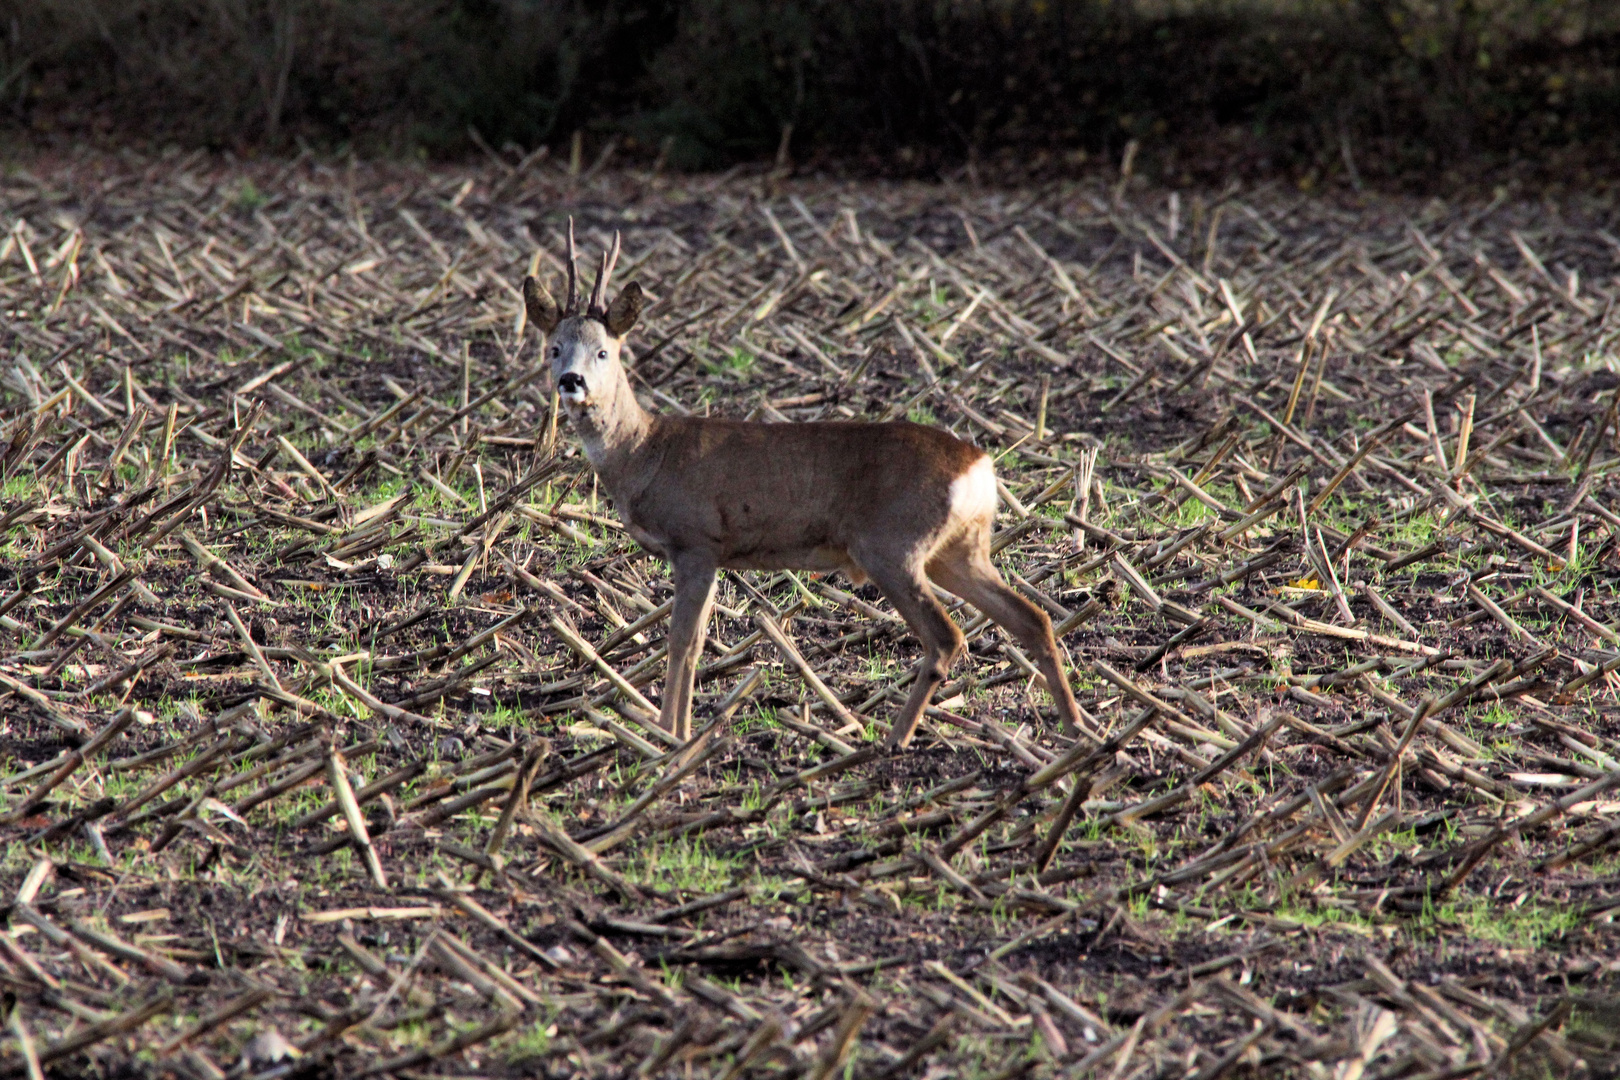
x: 973, y: 494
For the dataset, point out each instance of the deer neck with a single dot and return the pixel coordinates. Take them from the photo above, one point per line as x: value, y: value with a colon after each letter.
x: 613, y: 429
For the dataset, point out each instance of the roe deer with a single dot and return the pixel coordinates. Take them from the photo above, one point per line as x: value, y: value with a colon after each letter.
x: 896, y: 503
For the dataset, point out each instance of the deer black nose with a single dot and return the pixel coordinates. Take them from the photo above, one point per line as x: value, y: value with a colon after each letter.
x: 571, y: 383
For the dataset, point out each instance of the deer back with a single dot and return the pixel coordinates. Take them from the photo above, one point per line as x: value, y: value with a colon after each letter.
x: 762, y: 495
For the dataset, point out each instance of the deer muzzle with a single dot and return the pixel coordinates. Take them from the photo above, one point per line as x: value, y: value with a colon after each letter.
x: 571, y: 385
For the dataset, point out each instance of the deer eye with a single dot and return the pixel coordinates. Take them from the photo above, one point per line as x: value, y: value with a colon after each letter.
x: 556, y: 351
x: 601, y: 354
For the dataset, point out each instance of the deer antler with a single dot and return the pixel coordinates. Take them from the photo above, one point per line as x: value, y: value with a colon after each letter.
x: 598, y: 305
x: 571, y: 304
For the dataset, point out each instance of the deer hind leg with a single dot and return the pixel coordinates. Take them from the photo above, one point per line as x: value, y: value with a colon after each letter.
x: 966, y: 570
x: 907, y: 589
x: 688, y: 622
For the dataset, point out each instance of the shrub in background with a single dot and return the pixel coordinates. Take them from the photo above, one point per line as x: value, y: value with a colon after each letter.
x: 384, y: 74
x: 1351, y: 87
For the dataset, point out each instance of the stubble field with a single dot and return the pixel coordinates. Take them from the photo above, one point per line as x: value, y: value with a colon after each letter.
x: 328, y: 675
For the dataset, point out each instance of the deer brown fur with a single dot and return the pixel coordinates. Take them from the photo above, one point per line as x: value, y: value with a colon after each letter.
x: 897, y: 503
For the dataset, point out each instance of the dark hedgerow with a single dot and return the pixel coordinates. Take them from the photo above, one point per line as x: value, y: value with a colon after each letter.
x: 1375, y: 89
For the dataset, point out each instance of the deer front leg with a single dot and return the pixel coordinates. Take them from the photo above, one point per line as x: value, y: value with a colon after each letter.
x: 688, y: 622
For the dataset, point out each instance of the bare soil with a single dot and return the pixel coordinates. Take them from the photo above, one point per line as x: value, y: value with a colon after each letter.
x: 308, y: 603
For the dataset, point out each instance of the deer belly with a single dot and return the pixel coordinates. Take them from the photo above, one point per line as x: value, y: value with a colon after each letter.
x: 817, y: 559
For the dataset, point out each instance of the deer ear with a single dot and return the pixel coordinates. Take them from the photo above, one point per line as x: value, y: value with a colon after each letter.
x: 625, y: 310
x: 541, y: 307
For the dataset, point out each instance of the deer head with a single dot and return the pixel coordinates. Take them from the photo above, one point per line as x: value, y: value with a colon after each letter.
x: 583, y: 344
